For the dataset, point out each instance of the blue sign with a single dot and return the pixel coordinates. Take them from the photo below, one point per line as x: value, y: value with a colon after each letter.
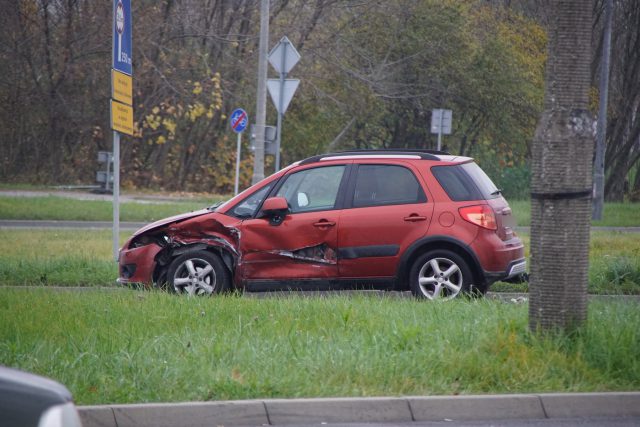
x: 239, y: 120
x: 122, y: 45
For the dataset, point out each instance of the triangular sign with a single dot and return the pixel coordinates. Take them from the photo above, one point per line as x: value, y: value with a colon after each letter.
x: 290, y: 87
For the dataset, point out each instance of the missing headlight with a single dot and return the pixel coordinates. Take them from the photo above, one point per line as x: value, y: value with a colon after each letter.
x: 160, y: 239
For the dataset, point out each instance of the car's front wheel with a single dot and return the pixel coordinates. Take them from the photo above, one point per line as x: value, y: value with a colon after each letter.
x: 440, y: 274
x: 198, y: 273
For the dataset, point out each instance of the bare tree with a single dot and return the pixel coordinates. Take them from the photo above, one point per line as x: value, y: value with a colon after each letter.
x: 562, y: 174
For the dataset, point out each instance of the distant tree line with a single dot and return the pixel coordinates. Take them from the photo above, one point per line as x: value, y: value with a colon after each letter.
x: 371, y: 72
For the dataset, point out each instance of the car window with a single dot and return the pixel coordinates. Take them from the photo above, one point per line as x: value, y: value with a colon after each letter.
x: 312, y: 189
x: 465, y: 182
x: 378, y: 185
x: 247, y: 208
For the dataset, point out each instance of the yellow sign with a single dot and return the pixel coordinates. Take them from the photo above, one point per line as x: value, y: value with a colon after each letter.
x: 122, y: 87
x: 121, y: 117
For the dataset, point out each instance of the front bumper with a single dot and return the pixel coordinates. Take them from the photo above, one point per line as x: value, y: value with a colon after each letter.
x: 136, y: 265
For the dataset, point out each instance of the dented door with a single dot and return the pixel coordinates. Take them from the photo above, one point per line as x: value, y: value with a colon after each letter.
x: 304, y: 245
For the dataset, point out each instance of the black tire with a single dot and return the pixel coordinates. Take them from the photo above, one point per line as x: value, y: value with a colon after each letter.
x: 198, y: 273
x: 430, y: 276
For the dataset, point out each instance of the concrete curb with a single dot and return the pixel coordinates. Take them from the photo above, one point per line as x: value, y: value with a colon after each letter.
x: 359, y: 410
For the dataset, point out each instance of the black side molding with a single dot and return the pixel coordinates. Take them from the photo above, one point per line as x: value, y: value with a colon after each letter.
x: 368, y: 251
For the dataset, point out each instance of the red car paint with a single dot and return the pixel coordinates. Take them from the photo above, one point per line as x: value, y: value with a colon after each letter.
x: 357, y: 238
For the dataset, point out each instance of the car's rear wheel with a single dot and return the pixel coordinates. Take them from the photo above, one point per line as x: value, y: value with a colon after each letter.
x: 440, y: 274
x: 198, y: 273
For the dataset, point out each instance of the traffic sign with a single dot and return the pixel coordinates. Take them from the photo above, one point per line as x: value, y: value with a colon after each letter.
x: 122, y: 46
x: 121, y: 117
x: 283, y: 57
x: 289, y: 88
x: 122, y: 87
x: 441, y: 121
x: 239, y: 120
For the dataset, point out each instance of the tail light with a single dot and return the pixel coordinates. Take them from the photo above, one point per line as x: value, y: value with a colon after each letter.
x: 480, y: 215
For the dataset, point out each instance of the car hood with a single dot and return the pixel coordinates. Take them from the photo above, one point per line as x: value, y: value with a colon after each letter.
x: 171, y: 219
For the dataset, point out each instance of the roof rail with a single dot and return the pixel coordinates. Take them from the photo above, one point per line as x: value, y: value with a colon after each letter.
x: 422, y: 153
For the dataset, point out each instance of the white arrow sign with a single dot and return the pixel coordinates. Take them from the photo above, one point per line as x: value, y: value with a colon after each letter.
x: 283, y: 57
x: 290, y: 87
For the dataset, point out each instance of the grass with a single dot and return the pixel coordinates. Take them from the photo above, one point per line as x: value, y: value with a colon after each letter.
x: 57, y: 257
x: 614, y: 215
x: 58, y: 208
x: 614, y: 264
x: 124, y: 347
x: 83, y: 258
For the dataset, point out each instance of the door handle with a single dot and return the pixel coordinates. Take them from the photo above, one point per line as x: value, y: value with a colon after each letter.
x: 324, y: 223
x: 415, y: 218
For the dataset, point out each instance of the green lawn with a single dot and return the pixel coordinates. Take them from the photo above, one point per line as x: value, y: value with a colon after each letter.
x: 614, y: 215
x: 83, y: 258
x: 128, y: 346
x: 59, y: 208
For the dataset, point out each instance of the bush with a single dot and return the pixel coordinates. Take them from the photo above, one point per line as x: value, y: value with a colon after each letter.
x: 620, y: 276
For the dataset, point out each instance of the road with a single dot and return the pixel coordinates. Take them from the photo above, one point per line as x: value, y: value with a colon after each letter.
x: 555, y: 422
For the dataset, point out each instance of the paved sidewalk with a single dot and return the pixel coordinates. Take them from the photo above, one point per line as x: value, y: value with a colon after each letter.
x: 364, y: 410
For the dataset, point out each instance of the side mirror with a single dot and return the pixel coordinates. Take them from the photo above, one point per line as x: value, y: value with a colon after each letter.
x: 275, y: 208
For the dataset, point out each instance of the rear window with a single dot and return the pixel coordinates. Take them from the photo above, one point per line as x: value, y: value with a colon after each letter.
x: 465, y: 182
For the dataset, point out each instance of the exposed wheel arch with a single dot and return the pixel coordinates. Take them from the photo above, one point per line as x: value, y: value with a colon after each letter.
x: 430, y: 243
x: 165, y: 257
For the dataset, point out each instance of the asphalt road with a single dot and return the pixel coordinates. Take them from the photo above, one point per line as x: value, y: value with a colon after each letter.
x: 556, y: 422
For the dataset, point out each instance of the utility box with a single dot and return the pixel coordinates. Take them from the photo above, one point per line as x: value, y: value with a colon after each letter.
x: 269, y: 139
x: 105, y: 177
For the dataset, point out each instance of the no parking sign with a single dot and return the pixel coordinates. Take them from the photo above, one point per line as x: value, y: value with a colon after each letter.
x: 239, y: 120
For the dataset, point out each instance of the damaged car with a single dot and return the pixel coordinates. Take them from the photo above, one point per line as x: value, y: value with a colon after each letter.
x: 416, y: 220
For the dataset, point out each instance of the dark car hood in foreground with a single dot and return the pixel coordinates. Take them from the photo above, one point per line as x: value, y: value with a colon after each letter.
x: 171, y: 219
x: 24, y: 397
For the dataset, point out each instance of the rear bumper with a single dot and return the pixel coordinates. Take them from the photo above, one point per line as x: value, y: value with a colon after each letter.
x: 515, y: 268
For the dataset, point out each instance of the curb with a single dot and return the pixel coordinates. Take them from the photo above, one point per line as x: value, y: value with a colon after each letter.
x: 364, y: 410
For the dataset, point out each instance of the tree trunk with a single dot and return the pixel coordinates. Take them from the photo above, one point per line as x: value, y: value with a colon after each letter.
x: 561, y: 184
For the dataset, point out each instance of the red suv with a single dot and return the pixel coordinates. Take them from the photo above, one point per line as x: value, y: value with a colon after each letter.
x: 420, y: 220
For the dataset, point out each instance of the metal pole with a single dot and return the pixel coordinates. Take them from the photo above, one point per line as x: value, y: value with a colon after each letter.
x: 598, y: 174
x: 109, y: 161
x: 116, y: 194
x: 440, y: 130
x: 283, y: 75
x: 235, y: 188
x: 261, y: 96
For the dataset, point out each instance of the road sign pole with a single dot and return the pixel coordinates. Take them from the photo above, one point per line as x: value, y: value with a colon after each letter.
x: 116, y: 194
x: 283, y: 75
x: 238, y: 152
x: 440, y: 131
x: 261, y: 95
x: 107, y: 183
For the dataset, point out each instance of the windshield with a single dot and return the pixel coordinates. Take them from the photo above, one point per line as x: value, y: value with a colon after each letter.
x: 249, y: 206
